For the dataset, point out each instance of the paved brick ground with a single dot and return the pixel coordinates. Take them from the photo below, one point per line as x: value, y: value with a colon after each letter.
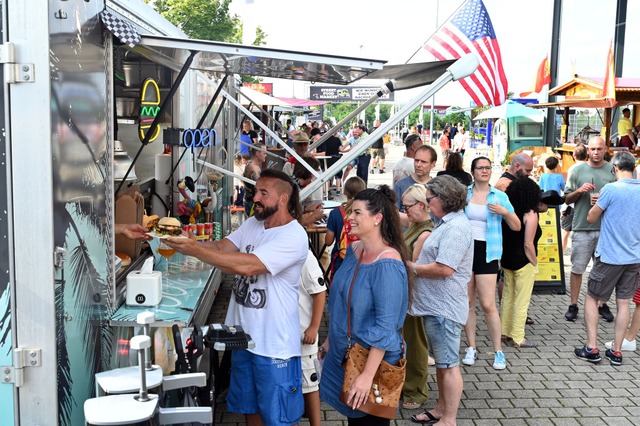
x: 542, y: 386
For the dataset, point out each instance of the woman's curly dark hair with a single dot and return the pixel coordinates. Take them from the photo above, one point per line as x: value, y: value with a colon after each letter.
x: 524, y: 195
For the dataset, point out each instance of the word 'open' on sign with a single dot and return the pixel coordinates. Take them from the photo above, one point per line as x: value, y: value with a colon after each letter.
x: 194, y: 138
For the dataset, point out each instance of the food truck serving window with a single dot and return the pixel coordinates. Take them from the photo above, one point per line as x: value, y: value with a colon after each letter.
x: 526, y: 130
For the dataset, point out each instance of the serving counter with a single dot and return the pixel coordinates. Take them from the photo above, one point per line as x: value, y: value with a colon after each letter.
x: 187, y: 295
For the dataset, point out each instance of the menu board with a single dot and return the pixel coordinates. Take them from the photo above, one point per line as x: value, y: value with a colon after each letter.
x: 550, y: 259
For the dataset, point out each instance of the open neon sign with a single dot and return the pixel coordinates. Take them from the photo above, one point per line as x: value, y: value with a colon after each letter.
x: 194, y: 138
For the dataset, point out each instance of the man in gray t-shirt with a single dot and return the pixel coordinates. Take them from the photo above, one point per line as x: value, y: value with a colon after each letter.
x: 583, y: 188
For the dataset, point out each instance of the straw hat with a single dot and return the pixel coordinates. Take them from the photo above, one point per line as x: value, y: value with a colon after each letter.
x: 301, y: 137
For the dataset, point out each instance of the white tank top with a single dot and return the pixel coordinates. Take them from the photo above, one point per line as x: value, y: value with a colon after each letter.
x: 477, y: 214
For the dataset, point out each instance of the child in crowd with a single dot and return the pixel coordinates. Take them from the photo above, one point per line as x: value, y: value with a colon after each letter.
x: 311, y: 299
x: 552, y: 179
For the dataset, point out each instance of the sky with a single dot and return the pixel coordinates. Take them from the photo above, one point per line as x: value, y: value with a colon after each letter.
x: 395, y: 30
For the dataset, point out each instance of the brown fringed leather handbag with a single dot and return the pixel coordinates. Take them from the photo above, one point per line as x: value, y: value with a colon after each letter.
x: 384, y: 398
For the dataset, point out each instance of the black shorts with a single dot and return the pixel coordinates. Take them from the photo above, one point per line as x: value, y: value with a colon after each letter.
x: 480, y: 265
x: 566, y: 219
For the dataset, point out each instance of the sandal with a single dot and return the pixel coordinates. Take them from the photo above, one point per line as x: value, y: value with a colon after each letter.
x: 508, y: 341
x: 526, y: 343
x: 430, y: 418
x: 410, y: 405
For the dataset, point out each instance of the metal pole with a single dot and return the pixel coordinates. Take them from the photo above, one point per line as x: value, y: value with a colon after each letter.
x: 620, y: 29
x: 550, y: 123
x: 433, y: 99
x: 269, y: 132
x: 462, y: 68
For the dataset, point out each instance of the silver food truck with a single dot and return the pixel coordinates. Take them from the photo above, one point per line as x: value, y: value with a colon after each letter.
x: 81, y: 130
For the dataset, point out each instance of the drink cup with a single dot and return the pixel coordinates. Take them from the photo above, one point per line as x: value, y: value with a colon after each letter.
x: 594, y: 197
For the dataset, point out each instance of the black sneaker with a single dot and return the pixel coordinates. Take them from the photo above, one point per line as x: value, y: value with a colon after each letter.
x: 572, y: 313
x: 592, y: 355
x: 605, y: 313
x: 615, y: 357
x: 381, y: 170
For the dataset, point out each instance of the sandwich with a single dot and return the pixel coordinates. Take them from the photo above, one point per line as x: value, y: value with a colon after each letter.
x: 169, y: 226
x: 150, y: 222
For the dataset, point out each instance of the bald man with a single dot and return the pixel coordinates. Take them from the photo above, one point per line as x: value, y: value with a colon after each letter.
x: 583, y: 188
x: 521, y: 166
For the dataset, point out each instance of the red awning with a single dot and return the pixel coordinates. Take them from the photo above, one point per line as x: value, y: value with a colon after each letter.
x: 302, y: 102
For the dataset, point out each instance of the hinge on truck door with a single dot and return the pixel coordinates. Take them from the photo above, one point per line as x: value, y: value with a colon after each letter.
x: 22, y: 357
x: 15, y: 73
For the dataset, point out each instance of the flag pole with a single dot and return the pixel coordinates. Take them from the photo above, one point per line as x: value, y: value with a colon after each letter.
x: 418, y: 50
x: 436, y: 31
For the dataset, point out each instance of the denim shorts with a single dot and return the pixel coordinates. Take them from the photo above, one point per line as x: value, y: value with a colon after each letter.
x: 267, y: 386
x: 444, y: 340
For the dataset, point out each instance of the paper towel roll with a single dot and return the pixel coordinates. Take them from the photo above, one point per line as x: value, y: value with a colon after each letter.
x: 163, y: 191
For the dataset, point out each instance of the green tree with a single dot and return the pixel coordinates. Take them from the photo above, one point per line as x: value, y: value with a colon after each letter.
x: 339, y: 111
x: 205, y: 20
x: 199, y: 19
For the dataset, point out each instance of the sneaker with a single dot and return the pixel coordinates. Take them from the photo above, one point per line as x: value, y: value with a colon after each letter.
x: 382, y: 171
x: 499, y: 361
x: 572, y: 313
x: 470, y: 356
x: 615, y: 357
x: 605, y: 313
x: 373, y: 171
x: 585, y: 354
x: 627, y: 345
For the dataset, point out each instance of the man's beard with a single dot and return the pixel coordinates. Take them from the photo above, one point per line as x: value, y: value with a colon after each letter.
x: 266, y: 211
x: 521, y: 174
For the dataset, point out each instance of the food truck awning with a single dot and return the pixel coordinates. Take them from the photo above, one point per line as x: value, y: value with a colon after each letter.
x: 228, y: 58
x: 260, y: 98
x: 409, y: 76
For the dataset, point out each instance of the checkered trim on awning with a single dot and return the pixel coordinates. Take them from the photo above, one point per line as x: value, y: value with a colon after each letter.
x: 120, y: 28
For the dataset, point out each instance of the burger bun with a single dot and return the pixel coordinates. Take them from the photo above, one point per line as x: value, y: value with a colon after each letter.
x: 169, y: 221
x: 126, y: 259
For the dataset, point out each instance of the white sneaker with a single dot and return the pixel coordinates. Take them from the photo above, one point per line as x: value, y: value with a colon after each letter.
x: 470, y: 356
x: 627, y: 345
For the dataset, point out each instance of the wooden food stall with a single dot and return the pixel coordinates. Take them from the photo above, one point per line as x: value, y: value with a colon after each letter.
x: 587, y: 92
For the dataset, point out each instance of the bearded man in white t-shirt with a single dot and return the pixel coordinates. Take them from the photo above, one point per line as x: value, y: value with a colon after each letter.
x: 266, y: 254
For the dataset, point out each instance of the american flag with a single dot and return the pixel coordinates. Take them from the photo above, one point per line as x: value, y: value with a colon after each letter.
x: 470, y: 31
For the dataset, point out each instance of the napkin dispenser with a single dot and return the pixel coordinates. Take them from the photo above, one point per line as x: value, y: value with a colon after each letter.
x: 144, y: 287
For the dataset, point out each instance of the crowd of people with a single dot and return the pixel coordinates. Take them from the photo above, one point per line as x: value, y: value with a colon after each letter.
x: 409, y: 264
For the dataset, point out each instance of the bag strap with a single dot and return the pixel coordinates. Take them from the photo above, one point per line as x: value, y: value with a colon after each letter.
x: 353, y: 280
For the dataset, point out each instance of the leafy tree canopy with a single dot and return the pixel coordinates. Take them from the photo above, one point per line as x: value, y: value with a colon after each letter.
x: 205, y: 19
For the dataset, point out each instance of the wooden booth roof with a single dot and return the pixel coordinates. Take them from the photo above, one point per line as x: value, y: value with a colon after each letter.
x: 586, y: 92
